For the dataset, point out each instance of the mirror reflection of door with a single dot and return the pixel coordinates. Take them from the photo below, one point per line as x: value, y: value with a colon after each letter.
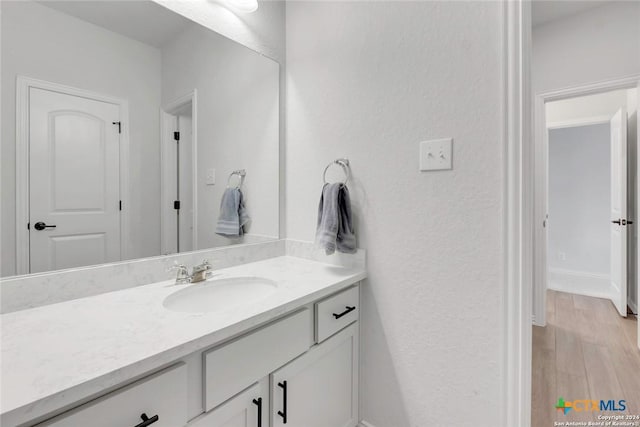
x: 74, y: 181
x: 178, y: 230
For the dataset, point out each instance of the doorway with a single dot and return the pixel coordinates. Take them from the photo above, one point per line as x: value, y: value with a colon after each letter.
x: 179, y: 172
x: 585, y: 346
x: 71, y: 163
x: 585, y: 169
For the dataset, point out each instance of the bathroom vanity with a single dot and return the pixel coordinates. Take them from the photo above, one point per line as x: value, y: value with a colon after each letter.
x: 129, y: 358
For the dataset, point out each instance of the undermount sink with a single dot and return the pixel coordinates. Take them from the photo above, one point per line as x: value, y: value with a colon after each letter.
x: 219, y: 294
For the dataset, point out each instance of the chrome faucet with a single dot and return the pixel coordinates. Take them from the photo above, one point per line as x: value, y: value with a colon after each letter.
x: 201, y: 272
x: 182, y: 278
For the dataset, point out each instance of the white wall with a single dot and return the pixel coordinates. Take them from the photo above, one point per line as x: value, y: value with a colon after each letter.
x: 599, y: 44
x: 41, y: 43
x: 368, y: 81
x: 580, y: 199
x: 238, y: 124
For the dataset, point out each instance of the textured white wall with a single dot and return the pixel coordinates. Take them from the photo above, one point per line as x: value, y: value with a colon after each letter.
x: 238, y: 124
x: 579, y: 199
x: 368, y: 81
x: 599, y: 44
x: 42, y: 43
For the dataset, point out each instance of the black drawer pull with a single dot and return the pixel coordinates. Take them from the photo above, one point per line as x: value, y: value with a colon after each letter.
x: 283, y: 413
x: 347, y: 311
x: 258, y: 402
x: 146, y: 421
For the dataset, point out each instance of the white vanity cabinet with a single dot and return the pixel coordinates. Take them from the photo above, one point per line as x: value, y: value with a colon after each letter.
x: 159, y: 400
x: 320, y: 388
x: 234, y: 366
x: 300, y: 370
x: 248, y: 409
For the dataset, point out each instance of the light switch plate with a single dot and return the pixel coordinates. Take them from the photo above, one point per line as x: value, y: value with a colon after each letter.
x: 210, y: 179
x: 436, y: 154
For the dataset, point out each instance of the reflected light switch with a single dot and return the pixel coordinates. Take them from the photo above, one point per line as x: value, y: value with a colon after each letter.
x: 210, y: 179
x: 436, y: 154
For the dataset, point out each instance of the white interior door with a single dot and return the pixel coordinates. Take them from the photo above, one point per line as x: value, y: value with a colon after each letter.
x: 619, y: 210
x: 74, y: 181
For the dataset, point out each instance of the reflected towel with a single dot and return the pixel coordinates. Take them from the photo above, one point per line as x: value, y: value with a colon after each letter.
x: 335, y: 224
x: 233, y: 214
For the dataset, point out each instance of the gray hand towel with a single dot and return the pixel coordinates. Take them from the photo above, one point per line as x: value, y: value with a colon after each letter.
x: 335, y: 226
x: 233, y: 214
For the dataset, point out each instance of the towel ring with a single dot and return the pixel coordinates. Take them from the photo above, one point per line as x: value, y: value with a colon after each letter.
x: 241, y: 173
x: 344, y: 164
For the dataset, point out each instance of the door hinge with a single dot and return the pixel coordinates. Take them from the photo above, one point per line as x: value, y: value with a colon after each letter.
x: 176, y: 205
x: 120, y: 205
x: 176, y: 136
x: 119, y: 126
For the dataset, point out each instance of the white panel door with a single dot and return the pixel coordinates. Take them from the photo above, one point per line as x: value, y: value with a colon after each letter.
x: 619, y: 210
x: 74, y: 181
x: 248, y: 409
x: 319, y: 388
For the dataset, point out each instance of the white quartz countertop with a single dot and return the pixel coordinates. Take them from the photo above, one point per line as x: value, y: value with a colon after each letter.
x: 55, y: 355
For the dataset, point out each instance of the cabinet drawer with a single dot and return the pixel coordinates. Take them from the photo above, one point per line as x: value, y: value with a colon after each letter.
x: 336, y: 312
x: 163, y: 394
x: 231, y: 368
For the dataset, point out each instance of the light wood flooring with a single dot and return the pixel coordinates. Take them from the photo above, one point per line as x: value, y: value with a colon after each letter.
x: 586, y: 351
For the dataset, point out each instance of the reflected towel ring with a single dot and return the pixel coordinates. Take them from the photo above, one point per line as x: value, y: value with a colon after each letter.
x: 344, y: 164
x: 241, y: 173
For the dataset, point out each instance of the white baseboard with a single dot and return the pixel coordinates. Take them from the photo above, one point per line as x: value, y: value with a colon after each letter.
x: 581, y: 283
x: 364, y: 423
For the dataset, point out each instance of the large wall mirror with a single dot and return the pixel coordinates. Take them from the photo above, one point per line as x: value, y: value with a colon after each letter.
x: 129, y: 131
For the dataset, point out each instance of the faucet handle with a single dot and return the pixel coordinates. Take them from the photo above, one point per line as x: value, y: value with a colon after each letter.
x: 202, y: 272
x: 183, y: 273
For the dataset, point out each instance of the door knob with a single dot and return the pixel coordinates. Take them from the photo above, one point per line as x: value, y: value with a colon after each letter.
x: 41, y: 226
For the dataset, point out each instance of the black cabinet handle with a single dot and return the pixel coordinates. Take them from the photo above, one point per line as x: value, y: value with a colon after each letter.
x: 41, y: 226
x: 283, y: 413
x: 258, y: 402
x: 616, y: 221
x: 347, y: 311
x: 146, y: 421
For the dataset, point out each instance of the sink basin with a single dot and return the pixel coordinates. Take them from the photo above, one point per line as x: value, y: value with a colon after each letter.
x: 219, y: 294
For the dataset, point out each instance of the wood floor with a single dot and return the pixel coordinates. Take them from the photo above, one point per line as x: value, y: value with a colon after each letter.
x: 586, y: 351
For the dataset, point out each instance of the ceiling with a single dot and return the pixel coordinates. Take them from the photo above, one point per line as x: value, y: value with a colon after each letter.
x: 544, y: 11
x: 144, y: 21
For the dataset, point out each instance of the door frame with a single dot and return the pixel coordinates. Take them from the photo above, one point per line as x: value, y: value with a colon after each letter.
x: 23, y: 84
x: 541, y: 143
x: 165, y: 197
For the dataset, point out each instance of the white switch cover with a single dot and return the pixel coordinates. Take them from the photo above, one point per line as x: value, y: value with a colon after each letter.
x: 210, y: 179
x: 436, y: 154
